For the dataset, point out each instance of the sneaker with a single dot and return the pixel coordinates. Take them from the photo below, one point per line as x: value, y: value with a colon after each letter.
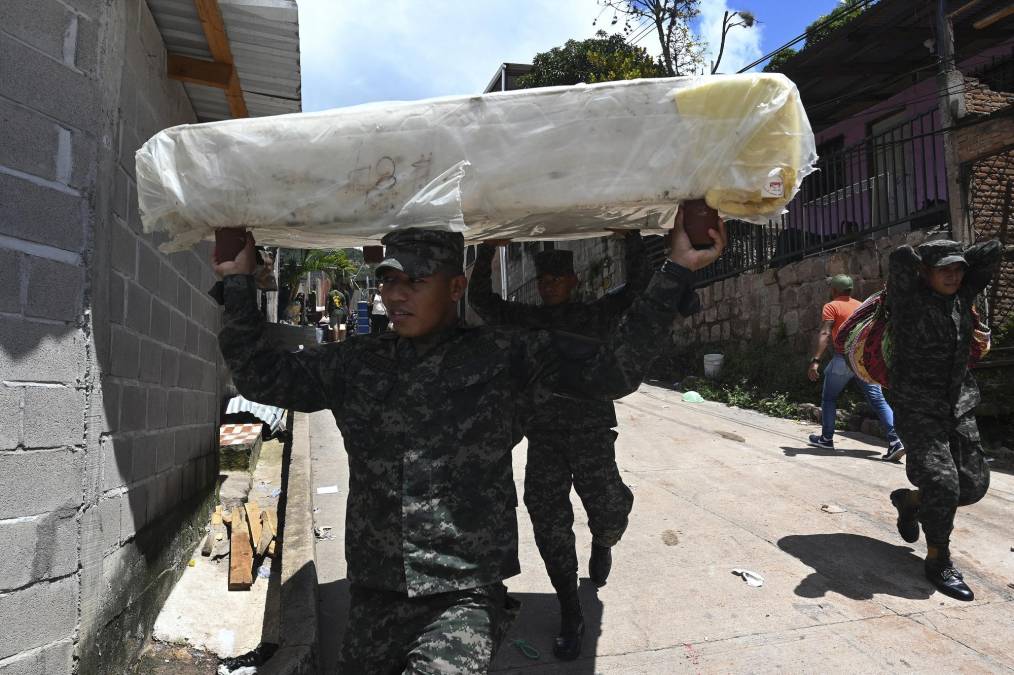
x: 948, y: 579
x: 818, y: 441
x: 908, y: 516
x: 895, y: 451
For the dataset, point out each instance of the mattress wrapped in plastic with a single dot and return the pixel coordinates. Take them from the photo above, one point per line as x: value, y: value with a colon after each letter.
x: 552, y: 163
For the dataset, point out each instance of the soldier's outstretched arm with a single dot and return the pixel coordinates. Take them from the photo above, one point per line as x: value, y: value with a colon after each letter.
x: 983, y: 259
x: 616, y: 367
x: 902, y: 277
x: 306, y: 381
x: 491, y: 307
x: 635, y: 260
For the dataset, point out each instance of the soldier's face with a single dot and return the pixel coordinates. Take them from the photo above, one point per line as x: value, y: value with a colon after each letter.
x: 945, y: 280
x: 556, y: 290
x: 419, y: 306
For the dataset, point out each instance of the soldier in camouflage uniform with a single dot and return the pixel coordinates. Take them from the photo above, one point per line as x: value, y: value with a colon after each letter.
x: 427, y: 413
x: 570, y: 441
x: 930, y: 293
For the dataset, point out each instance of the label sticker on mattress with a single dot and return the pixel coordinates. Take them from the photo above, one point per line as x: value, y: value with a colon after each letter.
x: 774, y: 187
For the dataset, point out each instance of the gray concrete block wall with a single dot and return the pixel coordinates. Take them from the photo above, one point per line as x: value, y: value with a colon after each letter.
x: 109, y: 372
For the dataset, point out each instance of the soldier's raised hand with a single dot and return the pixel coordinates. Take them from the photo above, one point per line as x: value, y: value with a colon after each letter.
x: 245, y: 261
x: 682, y: 252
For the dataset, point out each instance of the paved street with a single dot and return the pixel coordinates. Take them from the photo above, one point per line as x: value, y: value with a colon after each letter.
x: 718, y: 489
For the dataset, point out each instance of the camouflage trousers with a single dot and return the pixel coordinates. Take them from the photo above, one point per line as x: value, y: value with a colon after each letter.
x: 586, y: 460
x: 457, y: 632
x: 944, y: 460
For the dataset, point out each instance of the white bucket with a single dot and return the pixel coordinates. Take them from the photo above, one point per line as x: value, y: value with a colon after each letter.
x: 712, y: 365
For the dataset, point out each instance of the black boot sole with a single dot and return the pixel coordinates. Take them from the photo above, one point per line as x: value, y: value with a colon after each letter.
x: 568, y: 648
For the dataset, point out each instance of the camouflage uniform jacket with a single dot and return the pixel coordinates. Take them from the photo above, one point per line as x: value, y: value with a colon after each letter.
x: 428, y: 427
x: 931, y: 334
x: 587, y: 320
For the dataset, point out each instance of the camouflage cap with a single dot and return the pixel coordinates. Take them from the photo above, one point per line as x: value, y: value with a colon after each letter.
x: 421, y: 253
x: 558, y: 262
x: 840, y: 282
x: 941, y: 252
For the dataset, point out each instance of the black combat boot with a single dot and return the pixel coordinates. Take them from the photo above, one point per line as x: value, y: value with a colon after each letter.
x: 941, y: 573
x: 567, y: 646
x: 599, y: 565
x: 908, y: 515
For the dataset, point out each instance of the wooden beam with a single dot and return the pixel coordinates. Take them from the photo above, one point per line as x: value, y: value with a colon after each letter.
x: 240, y: 553
x: 218, y: 44
x: 253, y: 519
x: 964, y: 8
x: 196, y: 71
x: 988, y: 21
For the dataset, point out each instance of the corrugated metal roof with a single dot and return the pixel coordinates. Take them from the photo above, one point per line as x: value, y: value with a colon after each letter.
x: 264, y: 40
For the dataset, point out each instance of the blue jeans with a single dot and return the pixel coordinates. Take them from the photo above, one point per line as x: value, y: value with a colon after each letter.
x: 836, y: 377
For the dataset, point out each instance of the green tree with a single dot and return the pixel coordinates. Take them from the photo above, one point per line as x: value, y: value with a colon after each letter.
x: 333, y: 262
x: 669, y: 20
x: 846, y: 11
x: 778, y: 60
x: 599, y: 59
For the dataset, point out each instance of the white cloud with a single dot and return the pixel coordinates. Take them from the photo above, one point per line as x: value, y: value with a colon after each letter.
x: 354, y: 51
x: 742, y: 45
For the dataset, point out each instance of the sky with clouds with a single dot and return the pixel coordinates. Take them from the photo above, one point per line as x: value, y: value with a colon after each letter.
x: 357, y: 51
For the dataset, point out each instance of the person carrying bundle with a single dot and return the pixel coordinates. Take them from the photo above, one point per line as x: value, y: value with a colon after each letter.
x: 933, y: 330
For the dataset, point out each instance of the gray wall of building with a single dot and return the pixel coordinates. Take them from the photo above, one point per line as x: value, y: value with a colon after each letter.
x: 110, y: 378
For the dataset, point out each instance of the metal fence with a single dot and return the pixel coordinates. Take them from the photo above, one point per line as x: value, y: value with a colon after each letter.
x: 895, y: 179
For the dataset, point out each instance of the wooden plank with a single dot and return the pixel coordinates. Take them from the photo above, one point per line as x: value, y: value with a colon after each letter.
x: 218, y: 517
x: 218, y: 44
x: 988, y: 21
x: 268, y: 528
x: 197, y: 71
x: 271, y: 549
x: 240, y: 554
x: 253, y: 519
x: 209, y: 543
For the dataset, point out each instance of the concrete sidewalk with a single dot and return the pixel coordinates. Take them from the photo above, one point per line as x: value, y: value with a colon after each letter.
x: 717, y: 489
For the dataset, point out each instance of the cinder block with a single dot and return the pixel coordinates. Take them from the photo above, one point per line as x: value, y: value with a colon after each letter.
x: 53, y: 417
x: 134, y: 409
x: 10, y: 420
x: 39, y: 482
x: 167, y: 283
x: 117, y: 461
x: 160, y: 327
x: 54, y: 289
x: 124, y: 245
x: 170, y: 367
x: 30, y: 140
x: 144, y: 450
x: 148, y: 267
x: 109, y: 517
x: 124, y: 353
x: 10, y: 281
x: 41, y: 214
x: 133, y: 510
x: 183, y: 446
x: 120, y: 196
x: 30, y: 78
x: 87, y: 53
x: 191, y: 371
x: 157, y: 403
x: 41, y: 24
x: 116, y: 299
x: 178, y: 330
x: 36, y: 352
x: 37, y: 548
x: 192, y: 344
x: 164, y: 452
x: 183, y: 296
x: 209, y: 346
x: 138, y: 308
x: 151, y: 361
x: 54, y: 659
x: 38, y: 615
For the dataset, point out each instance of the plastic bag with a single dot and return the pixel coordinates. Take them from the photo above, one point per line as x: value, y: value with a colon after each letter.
x: 551, y: 163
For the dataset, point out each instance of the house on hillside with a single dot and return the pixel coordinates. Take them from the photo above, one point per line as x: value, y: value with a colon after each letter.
x: 872, y: 95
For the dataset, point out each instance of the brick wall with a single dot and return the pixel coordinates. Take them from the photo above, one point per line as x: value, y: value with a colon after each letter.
x: 109, y: 372
x: 990, y: 180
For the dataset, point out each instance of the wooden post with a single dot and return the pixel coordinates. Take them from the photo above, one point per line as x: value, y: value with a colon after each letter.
x: 951, y: 93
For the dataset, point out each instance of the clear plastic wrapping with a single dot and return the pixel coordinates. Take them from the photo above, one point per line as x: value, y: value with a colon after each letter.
x: 552, y: 163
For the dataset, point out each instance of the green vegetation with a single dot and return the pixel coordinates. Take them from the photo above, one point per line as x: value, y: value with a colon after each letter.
x: 819, y: 30
x: 598, y: 59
